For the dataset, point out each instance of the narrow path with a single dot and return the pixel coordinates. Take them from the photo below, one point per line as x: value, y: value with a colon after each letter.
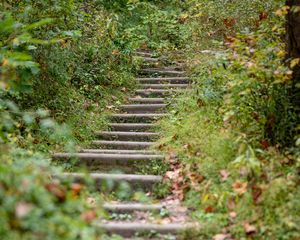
x: 128, y: 145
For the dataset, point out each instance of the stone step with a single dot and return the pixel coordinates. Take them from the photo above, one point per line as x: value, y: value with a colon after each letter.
x: 176, y: 80
x: 130, y: 136
x: 164, y: 86
x: 126, y: 145
x: 157, y: 92
x: 143, y: 54
x: 131, y: 126
x: 107, y: 160
x: 136, y: 181
x: 147, y: 100
x: 161, y: 72
x: 132, y: 207
x: 137, y: 117
x: 150, y: 59
x: 143, y: 108
x: 119, y: 151
x: 130, y: 229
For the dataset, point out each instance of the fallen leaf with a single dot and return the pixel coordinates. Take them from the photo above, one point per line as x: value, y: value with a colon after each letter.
x: 232, y: 215
x: 224, y: 174
x: 187, y: 146
x: 263, y: 16
x: 240, y: 187
x: 115, y: 52
x: 229, y: 22
x: 56, y: 190
x: 22, y: 209
x: 221, y: 237
x: 76, y: 189
x: 231, y: 204
x: 249, y: 229
x: 265, y: 144
x: 88, y: 216
x: 256, y: 193
x: 209, y: 209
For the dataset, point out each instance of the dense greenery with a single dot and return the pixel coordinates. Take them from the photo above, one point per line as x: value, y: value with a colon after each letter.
x: 235, y: 135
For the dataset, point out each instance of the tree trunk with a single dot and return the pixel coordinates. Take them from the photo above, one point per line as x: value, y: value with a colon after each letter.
x: 293, y: 50
x: 293, y: 34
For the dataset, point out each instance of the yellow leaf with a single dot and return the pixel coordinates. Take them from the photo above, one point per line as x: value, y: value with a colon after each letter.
x: 281, y: 54
x: 294, y: 62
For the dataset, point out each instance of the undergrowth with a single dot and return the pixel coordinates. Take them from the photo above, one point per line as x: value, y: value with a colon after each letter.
x: 232, y: 140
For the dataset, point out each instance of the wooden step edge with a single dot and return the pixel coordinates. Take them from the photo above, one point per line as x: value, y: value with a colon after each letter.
x: 146, y: 106
x: 147, y: 100
x: 140, y: 115
x: 119, y: 151
x: 131, y: 207
x: 164, y: 86
x: 131, y: 126
x: 98, y: 177
x: 162, y: 78
x: 130, y: 229
x: 126, y: 134
x: 106, y: 157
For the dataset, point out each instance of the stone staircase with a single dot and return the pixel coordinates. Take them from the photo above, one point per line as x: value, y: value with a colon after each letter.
x: 128, y: 144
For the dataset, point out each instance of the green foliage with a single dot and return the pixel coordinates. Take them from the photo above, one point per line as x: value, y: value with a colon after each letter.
x: 236, y: 131
x: 35, y: 207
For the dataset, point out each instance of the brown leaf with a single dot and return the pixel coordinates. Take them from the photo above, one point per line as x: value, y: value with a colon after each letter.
x: 265, y: 144
x: 256, y: 193
x: 56, y: 190
x: 263, y: 16
x: 221, y: 237
x: 240, y: 187
x: 224, y: 174
x: 175, y: 136
x: 231, y: 204
x: 196, y: 178
x: 187, y: 146
x: 229, y: 22
x: 22, y: 209
x: 232, y: 215
x: 88, y: 216
x: 76, y: 189
x: 209, y: 209
x: 249, y: 229
x: 115, y: 52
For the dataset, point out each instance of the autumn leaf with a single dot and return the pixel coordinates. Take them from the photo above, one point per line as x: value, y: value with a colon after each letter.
x: 229, y: 22
x: 295, y: 62
x: 263, y: 16
x: 76, y: 189
x: 88, y: 216
x: 249, y: 229
x: 256, y: 193
x: 209, y: 209
x: 232, y: 215
x: 265, y: 144
x: 222, y: 237
x: 240, y: 187
x: 115, y: 52
x: 224, y: 174
x: 22, y: 209
x: 56, y: 190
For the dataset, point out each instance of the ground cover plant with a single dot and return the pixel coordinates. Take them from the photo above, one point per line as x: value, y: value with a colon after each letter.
x: 233, y: 142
